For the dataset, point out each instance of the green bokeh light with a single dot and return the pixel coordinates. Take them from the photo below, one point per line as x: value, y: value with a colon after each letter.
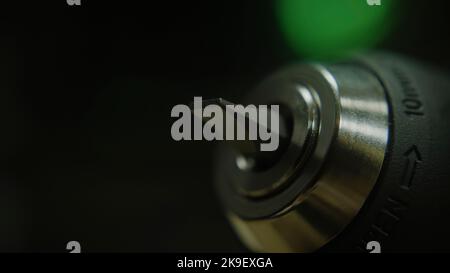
x: 331, y: 29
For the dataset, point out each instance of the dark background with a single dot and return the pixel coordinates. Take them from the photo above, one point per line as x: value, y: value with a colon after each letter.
x: 85, y: 100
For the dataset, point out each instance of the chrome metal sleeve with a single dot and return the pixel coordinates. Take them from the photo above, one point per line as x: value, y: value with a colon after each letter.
x: 339, y: 118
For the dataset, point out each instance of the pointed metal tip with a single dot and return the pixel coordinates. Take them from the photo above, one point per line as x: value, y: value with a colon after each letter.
x: 246, y: 148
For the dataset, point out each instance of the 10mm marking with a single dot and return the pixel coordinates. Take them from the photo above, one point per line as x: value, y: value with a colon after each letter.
x: 412, y: 103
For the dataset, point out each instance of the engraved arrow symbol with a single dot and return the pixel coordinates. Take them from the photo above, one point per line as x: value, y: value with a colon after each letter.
x: 413, y: 158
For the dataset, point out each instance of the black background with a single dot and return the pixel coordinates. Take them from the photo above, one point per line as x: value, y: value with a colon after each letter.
x: 85, y: 100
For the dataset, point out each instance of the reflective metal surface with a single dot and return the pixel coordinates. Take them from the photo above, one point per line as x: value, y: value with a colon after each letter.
x: 339, y: 136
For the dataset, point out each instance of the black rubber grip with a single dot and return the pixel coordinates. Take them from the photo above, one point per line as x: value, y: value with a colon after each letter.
x: 409, y: 208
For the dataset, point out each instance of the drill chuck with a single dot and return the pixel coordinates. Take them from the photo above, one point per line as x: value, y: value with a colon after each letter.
x: 365, y: 159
